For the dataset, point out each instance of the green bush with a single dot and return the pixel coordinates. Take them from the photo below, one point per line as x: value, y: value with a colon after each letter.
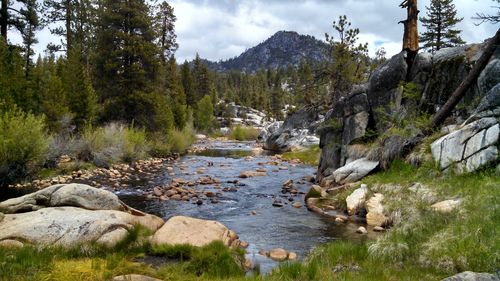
x: 113, y: 143
x: 243, y: 133
x: 215, y: 260
x: 176, y: 141
x: 23, y: 145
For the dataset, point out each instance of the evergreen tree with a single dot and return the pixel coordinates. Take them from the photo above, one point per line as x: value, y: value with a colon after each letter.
x: 439, y: 22
x: 204, y: 117
x: 177, y: 95
x: 82, y: 99
x: 165, y: 24
x: 28, y: 26
x: 126, y: 64
x: 349, y: 58
x: 12, y: 77
x: 188, y: 84
x: 201, y: 79
x: 276, y: 99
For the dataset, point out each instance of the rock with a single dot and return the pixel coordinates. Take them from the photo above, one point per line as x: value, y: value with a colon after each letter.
x: 297, y: 205
x: 354, y: 171
x: 472, y: 276
x: 157, y: 191
x: 277, y: 203
x: 489, y: 105
x: 378, y: 229
x: 356, y: 200
x: 339, y: 220
x: 315, y: 192
x: 248, y: 174
x: 375, y: 211
x: 446, y: 206
x: 134, y: 277
x: 196, y: 232
x: 288, y: 183
x: 76, y: 195
x: 244, y: 244
x: 361, y: 230
x: 70, y: 226
x: 200, y: 136
x: 248, y: 265
x: 470, y: 147
x: 292, y: 256
x: 253, y: 213
x: 199, y: 202
x: 278, y: 254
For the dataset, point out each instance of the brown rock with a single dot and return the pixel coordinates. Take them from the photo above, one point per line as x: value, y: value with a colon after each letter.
x: 278, y: 254
x: 292, y: 256
x: 297, y: 205
x: 157, y: 191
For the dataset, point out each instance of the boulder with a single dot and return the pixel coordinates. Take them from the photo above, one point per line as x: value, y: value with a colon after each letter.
x: 472, y: 276
x: 76, y: 195
x: 446, y: 206
x: 354, y: 171
x: 375, y: 210
x: 278, y: 254
x: 315, y: 192
x: 70, y: 226
x: 196, y: 232
x: 357, y: 199
x: 470, y: 147
x: 361, y: 230
x: 134, y: 277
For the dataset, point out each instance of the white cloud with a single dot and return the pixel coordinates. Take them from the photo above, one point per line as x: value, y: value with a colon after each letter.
x: 221, y: 29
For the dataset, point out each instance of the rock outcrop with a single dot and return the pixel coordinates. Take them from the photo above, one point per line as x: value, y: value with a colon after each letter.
x: 475, y: 144
x: 365, y: 112
x: 70, y: 226
x: 356, y: 200
x: 69, y: 215
x: 298, y: 130
x: 196, y: 232
x: 233, y: 114
x: 473, y: 276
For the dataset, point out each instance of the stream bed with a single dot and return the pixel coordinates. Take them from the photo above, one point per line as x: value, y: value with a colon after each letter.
x: 247, y: 208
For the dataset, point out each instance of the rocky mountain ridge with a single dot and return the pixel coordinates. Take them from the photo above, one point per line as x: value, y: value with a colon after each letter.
x: 284, y: 48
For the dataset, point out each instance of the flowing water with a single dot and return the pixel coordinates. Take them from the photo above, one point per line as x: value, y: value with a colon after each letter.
x: 294, y: 229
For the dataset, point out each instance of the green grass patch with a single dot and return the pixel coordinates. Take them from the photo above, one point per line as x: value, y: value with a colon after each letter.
x: 310, y: 155
x: 241, y: 133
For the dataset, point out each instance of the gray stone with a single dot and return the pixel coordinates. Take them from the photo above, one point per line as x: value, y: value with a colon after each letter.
x: 446, y: 206
x: 355, y: 127
x: 354, y: 171
x: 490, y: 76
x: 481, y: 158
x: 481, y: 140
x: 472, y: 276
x: 70, y: 226
x: 375, y: 210
x: 490, y: 104
x: 134, y: 277
x: 77, y: 195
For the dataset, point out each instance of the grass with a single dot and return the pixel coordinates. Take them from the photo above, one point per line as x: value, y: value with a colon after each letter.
x: 241, y: 133
x: 309, y: 155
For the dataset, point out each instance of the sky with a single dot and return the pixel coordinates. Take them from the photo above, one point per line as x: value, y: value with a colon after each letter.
x: 222, y: 29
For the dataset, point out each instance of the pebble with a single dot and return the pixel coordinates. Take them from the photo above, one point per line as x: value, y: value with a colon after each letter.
x: 339, y: 220
x: 297, y: 205
x: 378, y: 229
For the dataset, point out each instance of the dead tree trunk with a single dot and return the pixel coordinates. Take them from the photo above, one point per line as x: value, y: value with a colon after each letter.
x: 4, y: 21
x: 460, y: 92
x: 410, y: 37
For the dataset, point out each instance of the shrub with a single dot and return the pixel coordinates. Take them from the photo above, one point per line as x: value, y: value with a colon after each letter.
x: 180, y: 141
x: 113, y: 143
x: 23, y: 145
x: 243, y: 133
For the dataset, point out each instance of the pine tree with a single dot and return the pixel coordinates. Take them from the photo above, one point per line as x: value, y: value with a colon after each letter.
x: 176, y: 91
x: 165, y: 24
x: 349, y: 59
x: 28, y: 26
x: 126, y: 66
x: 204, y: 117
x: 439, y: 22
x: 188, y: 83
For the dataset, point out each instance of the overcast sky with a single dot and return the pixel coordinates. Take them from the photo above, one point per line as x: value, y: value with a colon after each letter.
x: 221, y: 29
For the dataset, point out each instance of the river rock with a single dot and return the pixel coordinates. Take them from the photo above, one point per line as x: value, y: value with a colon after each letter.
x: 361, y: 230
x: 472, y: 276
x: 446, y: 206
x: 354, y: 171
x: 134, y: 277
x: 297, y: 205
x: 70, y: 226
x: 375, y: 210
x: 196, y: 232
x: 292, y: 256
x: 76, y: 195
x: 278, y: 254
x: 357, y: 199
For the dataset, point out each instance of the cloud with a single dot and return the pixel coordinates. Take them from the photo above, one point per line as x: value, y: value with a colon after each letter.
x: 221, y: 29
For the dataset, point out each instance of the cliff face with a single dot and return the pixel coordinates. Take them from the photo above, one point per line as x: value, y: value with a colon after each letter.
x: 284, y: 48
x: 370, y: 108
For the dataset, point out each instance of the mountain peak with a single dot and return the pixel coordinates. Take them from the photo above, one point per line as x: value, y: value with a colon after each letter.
x: 282, y: 49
